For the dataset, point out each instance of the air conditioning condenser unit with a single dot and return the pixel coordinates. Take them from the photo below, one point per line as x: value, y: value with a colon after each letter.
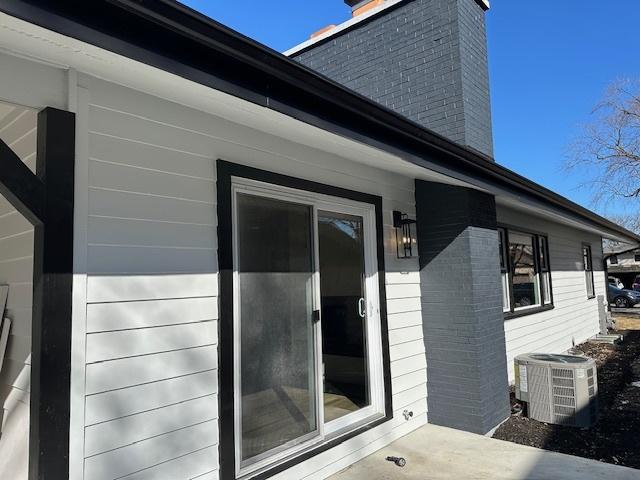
x: 560, y: 389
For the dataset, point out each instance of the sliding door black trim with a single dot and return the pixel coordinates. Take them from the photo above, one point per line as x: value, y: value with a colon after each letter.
x: 225, y: 172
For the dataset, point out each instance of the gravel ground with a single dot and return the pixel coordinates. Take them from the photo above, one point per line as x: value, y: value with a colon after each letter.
x: 616, y: 437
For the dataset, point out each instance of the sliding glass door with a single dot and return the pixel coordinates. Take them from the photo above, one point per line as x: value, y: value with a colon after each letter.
x: 344, y: 314
x: 306, y: 321
x: 277, y: 353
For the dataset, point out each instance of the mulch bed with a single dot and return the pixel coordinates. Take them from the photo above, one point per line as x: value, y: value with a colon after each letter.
x: 616, y: 437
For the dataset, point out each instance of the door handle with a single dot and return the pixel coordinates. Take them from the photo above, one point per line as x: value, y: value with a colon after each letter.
x: 361, y: 308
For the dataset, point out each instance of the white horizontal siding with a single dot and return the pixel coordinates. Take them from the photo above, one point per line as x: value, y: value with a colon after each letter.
x: 151, y: 344
x: 18, y: 131
x: 574, y: 318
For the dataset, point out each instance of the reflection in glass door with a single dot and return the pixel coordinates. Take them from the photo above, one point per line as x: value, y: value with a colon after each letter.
x: 342, y: 289
x: 278, y: 394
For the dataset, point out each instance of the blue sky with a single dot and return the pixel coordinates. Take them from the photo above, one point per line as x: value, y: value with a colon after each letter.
x: 550, y: 62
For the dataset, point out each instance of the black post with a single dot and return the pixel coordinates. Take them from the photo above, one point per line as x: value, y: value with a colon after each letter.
x: 52, y: 299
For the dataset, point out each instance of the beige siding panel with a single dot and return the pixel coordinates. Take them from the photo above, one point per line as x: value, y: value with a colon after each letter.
x: 408, y: 365
x: 151, y: 157
x: 141, y: 233
x: 25, y: 146
x: 14, y: 246
x: 150, y: 396
x: 404, y: 319
x: 136, y: 428
x: 101, y: 289
x: 128, y: 372
x: 17, y: 124
x: 407, y: 397
x: 151, y: 452
x: 408, y: 349
x: 403, y: 305
x: 144, y: 341
x: 138, y: 206
x: 108, y: 259
x: 128, y: 179
x: 189, y: 467
x: 403, y: 335
x: 409, y: 290
x: 13, y: 223
x: 103, y: 317
x: 207, y: 476
x: 397, y: 278
x: 410, y: 380
x: 19, y: 270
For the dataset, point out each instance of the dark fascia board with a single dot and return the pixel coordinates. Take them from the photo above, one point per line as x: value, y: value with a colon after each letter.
x: 179, y: 40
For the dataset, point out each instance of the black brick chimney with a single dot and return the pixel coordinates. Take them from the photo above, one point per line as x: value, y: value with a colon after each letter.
x: 426, y: 59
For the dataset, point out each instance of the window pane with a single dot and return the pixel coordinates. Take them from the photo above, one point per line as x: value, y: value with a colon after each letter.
x: 277, y: 366
x: 546, y: 287
x: 506, y: 303
x: 344, y: 346
x: 590, y: 287
x: 526, y: 288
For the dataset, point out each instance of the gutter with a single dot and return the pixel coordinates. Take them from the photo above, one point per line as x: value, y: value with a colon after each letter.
x: 179, y: 40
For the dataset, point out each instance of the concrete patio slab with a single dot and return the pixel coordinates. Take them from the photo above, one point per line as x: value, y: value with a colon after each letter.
x: 438, y: 453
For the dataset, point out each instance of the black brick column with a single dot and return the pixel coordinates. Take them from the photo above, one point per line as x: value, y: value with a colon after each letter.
x: 462, y: 318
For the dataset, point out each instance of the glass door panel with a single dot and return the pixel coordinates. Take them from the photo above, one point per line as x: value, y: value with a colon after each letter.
x: 342, y: 290
x: 277, y: 379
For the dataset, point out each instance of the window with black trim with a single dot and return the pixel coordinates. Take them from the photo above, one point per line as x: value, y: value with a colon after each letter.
x: 587, y: 261
x: 525, y: 270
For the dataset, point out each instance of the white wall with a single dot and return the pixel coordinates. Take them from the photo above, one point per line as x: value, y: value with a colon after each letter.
x: 574, y: 318
x: 18, y: 130
x: 151, y: 291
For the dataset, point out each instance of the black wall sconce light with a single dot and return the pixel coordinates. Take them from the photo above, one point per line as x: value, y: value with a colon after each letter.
x: 405, y: 234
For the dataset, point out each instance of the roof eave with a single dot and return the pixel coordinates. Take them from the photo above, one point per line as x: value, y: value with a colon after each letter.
x: 263, y: 76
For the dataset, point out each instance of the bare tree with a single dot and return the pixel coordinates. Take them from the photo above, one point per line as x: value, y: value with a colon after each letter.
x: 607, y: 153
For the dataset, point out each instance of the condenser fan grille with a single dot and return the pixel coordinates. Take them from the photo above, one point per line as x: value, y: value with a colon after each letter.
x: 564, y: 399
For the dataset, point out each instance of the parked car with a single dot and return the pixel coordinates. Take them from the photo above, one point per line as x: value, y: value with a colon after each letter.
x: 616, y: 282
x: 623, y: 297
